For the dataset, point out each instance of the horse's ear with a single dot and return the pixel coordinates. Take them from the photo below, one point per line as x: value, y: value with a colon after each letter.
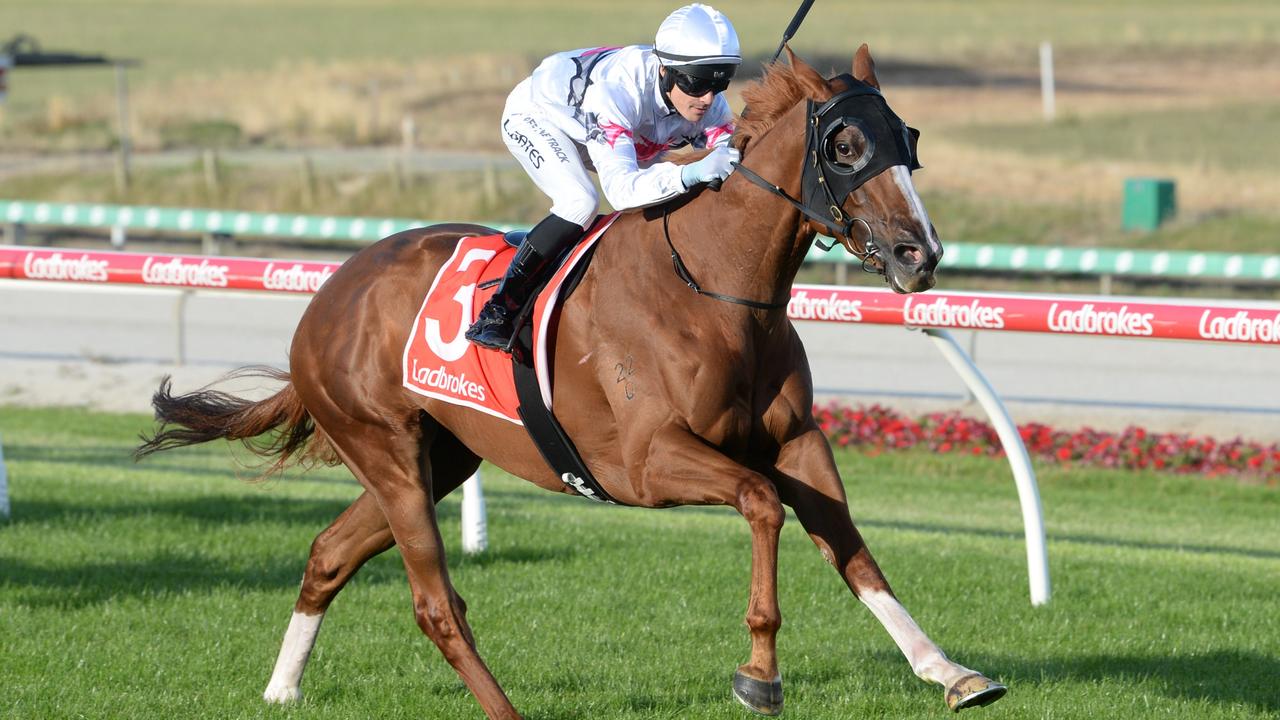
x: 864, y: 68
x: 815, y: 86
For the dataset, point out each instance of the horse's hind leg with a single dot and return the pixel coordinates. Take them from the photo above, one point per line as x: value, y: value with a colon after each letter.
x: 388, y: 459
x: 810, y: 484
x: 357, y: 535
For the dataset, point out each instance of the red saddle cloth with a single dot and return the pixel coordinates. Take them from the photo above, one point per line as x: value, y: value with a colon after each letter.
x: 441, y: 364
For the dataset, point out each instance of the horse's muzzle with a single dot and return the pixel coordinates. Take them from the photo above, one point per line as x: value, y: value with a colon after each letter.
x: 910, y: 269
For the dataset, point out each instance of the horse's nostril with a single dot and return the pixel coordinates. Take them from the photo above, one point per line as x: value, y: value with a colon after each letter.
x: 908, y: 255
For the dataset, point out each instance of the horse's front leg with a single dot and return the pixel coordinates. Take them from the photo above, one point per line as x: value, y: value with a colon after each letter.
x: 810, y: 484
x: 682, y: 469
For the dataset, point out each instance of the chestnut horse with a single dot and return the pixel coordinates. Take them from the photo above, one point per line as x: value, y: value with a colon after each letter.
x: 718, y: 410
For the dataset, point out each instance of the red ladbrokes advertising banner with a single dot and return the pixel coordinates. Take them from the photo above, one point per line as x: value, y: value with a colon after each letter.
x: 1257, y: 323
x: 164, y: 270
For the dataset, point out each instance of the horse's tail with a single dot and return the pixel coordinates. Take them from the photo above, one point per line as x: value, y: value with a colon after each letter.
x: 208, y: 414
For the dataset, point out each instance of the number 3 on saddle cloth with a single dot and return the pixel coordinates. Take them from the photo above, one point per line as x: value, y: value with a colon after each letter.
x: 439, y: 362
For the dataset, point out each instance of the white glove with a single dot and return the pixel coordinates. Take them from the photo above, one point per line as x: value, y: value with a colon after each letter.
x: 715, y: 166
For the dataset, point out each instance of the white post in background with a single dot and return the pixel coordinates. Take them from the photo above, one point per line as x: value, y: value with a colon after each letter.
x: 1024, y: 476
x: 126, y: 142
x: 1046, y: 80
x: 475, y: 533
x: 4, y: 487
x: 408, y: 134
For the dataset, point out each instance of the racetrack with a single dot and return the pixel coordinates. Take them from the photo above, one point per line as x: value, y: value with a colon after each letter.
x: 161, y: 589
x: 107, y: 349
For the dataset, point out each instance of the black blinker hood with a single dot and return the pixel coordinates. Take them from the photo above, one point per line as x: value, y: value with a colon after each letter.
x: 890, y: 142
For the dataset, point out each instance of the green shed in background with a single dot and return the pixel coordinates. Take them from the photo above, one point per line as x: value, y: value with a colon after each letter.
x: 1148, y: 202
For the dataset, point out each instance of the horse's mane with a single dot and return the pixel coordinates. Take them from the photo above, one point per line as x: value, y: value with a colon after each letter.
x: 769, y: 98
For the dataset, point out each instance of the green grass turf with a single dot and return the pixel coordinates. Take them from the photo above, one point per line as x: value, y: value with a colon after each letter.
x: 177, y: 37
x: 162, y: 590
x: 1005, y: 219
x: 1228, y: 138
x: 182, y: 35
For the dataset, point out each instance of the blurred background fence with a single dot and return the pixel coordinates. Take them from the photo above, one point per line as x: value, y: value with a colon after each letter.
x: 1164, y: 134
x: 220, y: 231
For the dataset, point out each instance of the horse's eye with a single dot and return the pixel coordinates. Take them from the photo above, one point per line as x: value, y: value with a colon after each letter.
x: 843, y: 148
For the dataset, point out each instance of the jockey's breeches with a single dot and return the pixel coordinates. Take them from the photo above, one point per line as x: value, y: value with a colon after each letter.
x: 552, y: 160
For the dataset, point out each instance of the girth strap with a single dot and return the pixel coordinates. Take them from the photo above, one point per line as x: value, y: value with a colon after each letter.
x: 540, y: 422
x: 550, y: 438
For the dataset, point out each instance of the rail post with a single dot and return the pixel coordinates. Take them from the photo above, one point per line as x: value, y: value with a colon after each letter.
x: 475, y: 533
x: 1023, y: 474
x: 16, y: 233
x: 180, y: 328
x: 4, y: 486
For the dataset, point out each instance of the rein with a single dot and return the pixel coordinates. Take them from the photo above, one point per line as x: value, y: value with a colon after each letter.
x: 865, y: 256
x: 683, y: 273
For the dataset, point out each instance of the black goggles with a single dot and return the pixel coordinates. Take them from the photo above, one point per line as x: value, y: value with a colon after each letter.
x: 696, y: 86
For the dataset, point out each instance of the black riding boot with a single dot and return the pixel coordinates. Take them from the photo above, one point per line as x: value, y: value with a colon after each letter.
x: 528, y: 271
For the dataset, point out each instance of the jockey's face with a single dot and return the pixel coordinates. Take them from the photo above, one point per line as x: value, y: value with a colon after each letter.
x: 690, y: 107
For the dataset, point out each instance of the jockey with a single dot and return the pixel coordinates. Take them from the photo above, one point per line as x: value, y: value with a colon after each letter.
x: 614, y: 111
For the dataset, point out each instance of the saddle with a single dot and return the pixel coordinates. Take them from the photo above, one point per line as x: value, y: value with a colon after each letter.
x: 516, y: 389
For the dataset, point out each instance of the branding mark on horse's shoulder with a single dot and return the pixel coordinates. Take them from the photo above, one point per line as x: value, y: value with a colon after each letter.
x: 625, y: 370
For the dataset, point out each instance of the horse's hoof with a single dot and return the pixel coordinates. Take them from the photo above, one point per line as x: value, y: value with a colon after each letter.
x: 758, y: 696
x: 282, y: 695
x: 974, y: 691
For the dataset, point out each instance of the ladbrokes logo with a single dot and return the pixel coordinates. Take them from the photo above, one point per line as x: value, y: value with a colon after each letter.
x: 176, y: 272
x: 941, y: 313
x: 441, y: 379
x: 830, y: 307
x: 294, y: 279
x: 1239, y: 327
x: 56, y: 267
x: 1100, y: 322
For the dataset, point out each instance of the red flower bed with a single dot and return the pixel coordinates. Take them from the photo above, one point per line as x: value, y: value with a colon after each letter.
x: 877, y: 428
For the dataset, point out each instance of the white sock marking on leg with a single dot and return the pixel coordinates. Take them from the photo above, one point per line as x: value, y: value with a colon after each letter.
x: 927, y: 659
x: 299, y: 639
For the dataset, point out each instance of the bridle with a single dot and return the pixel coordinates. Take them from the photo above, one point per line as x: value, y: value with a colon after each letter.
x: 826, y: 183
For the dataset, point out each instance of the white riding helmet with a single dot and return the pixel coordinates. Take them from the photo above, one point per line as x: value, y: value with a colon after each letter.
x: 696, y: 35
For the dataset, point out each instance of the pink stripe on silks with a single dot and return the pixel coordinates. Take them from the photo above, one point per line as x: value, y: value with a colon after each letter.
x: 597, y: 51
x: 714, y: 134
x: 613, y: 131
x: 647, y: 150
